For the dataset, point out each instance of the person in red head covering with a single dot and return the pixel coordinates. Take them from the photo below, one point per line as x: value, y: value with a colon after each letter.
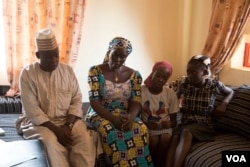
x: 159, y: 108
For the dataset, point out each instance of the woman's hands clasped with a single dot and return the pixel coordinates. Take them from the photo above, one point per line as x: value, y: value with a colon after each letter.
x: 123, y: 122
x: 156, y: 123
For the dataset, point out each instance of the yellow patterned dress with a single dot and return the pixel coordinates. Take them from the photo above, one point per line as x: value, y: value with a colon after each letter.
x: 121, y: 148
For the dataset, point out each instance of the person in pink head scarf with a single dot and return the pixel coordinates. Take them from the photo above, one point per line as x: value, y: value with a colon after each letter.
x: 159, y: 108
x: 158, y: 65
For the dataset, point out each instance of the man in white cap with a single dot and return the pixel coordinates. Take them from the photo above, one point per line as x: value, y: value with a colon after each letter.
x: 52, y: 103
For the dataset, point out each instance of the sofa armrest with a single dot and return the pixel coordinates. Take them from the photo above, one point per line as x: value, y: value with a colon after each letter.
x: 237, y: 116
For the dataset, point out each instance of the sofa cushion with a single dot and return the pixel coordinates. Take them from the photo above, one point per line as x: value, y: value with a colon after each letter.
x: 210, y: 153
x: 237, y: 117
x: 10, y: 105
x: 4, y: 89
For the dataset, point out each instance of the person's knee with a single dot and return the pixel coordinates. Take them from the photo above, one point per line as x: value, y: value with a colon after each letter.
x: 165, y: 140
x: 48, y: 138
x: 153, y: 141
x: 80, y: 133
x: 186, y: 134
x: 79, y: 128
x: 174, y: 140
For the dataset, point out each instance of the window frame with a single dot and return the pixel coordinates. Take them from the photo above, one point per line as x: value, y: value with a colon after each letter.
x: 246, y: 61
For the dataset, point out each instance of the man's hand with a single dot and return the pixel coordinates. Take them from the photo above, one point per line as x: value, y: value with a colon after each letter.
x: 63, y: 133
x: 64, y: 136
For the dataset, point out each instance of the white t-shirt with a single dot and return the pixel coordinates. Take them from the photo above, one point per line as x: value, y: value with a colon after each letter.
x: 160, y: 105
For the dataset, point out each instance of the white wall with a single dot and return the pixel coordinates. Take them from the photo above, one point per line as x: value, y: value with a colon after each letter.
x: 140, y: 21
x: 172, y: 30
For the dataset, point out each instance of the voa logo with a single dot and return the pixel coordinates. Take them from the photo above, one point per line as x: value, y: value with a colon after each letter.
x: 236, y: 158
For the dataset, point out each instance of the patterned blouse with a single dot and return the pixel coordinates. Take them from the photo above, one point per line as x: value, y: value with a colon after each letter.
x: 114, y: 96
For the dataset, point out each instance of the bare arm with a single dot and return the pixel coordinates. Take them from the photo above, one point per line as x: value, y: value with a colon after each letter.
x: 230, y: 93
x: 221, y: 108
x: 116, y: 120
x: 134, y: 102
x: 134, y: 109
x: 100, y: 110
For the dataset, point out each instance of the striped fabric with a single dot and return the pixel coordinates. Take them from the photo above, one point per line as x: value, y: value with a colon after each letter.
x: 208, y: 154
x: 46, y: 44
x: 10, y: 105
x: 8, y: 124
x: 235, y: 125
x: 237, y: 117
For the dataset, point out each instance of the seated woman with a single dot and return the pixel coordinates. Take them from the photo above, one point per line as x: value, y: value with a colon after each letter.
x: 115, y: 96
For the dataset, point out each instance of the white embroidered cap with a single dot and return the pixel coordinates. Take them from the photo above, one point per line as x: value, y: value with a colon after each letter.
x: 203, y: 59
x: 45, y: 40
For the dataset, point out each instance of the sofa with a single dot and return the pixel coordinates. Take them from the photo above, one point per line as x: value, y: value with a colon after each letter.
x: 14, y: 148
x: 232, y: 132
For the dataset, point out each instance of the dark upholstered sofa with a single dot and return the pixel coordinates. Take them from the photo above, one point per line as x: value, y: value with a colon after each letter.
x: 17, y: 151
x: 233, y: 132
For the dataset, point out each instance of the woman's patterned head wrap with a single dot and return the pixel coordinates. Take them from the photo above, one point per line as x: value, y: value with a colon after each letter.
x: 118, y: 42
x: 157, y: 65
